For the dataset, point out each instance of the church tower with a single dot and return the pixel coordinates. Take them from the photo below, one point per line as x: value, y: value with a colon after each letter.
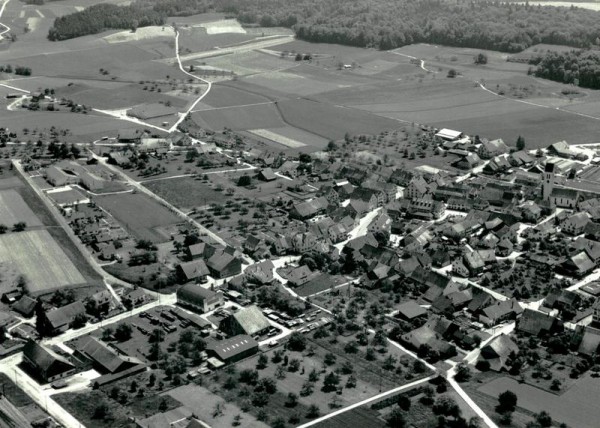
x: 548, y: 183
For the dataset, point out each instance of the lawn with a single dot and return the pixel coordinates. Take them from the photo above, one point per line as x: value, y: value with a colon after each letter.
x: 139, y: 215
x: 13, y: 209
x: 37, y: 256
x: 186, y: 192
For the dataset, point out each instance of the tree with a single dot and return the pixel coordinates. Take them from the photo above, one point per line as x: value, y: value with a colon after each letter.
x: 507, y: 402
x: 480, y: 59
x: 101, y: 411
x: 163, y: 405
x: 520, y: 143
x: 123, y: 332
x: 262, y: 362
x: 297, y: 342
x: 452, y: 73
x: 404, y: 402
x: 555, y: 386
x: 396, y: 419
x: 330, y: 382
x: 463, y: 373
x: 446, y: 406
x: 292, y: 400
x: 79, y: 321
x: 3, y: 229
x: 544, y: 419
x: 313, y: 411
x: 107, y: 334
x: 19, y: 227
x: 244, y: 181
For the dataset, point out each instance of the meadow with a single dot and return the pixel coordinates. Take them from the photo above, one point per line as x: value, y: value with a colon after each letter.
x: 139, y: 215
x: 576, y: 407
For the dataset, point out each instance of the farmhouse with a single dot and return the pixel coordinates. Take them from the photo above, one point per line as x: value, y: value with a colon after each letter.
x: 223, y: 265
x: 199, y: 299
x: 490, y: 149
x: 104, y: 359
x: 249, y: 320
x: 196, y: 270
x: 411, y: 310
x: 448, y: 135
x: 267, y: 174
x: 538, y: 323
x: 497, y: 352
x: 233, y: 349
x: 45, y: 363
x: 154, y: 145
x: 129, y: 136
x: 25, y: 306
x: 59, y: 320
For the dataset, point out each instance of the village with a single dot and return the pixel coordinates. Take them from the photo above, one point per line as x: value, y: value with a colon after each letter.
x: 232, y: 276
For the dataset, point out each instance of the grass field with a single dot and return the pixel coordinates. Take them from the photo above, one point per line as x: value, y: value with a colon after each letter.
x: 186, y: 192
x: 139, y: 214
x: 37, y: 256
x: 577, y: 407
x: 13, y: 209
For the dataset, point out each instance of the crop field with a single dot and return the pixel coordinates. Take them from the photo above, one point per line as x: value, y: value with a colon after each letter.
x: 332, y: 122
x: 37, y: 256
x: 577, y: 407
x: 186, y: 192
x: 240, y: 118
x: 225, y: 96
x: 13, y: 209
x: 139, y: 215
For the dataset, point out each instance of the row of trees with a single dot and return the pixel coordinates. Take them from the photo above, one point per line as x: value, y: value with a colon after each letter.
x: 388, y: 24
x: 580, y: 68
x: 18, y: 69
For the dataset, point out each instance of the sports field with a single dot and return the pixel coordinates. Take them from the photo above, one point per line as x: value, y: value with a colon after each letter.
x: 36, y: 255
x: 13, y: 209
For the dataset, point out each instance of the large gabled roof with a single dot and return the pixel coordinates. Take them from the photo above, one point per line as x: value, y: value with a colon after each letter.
x: 43, y: 357
x: 65, y: 314
x: 251, y: 319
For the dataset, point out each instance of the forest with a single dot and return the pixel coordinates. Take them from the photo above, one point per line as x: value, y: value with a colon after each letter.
x: 581, y: 68
x: 382, y: 24
x: 388, y: 24
x: 100, y: 17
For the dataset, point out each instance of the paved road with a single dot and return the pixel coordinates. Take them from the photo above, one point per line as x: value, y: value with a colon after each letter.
x: 200, y: 98
x: 6, y: 27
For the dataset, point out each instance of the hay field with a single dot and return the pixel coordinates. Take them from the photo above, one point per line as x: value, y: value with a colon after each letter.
x: 37, y: 256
